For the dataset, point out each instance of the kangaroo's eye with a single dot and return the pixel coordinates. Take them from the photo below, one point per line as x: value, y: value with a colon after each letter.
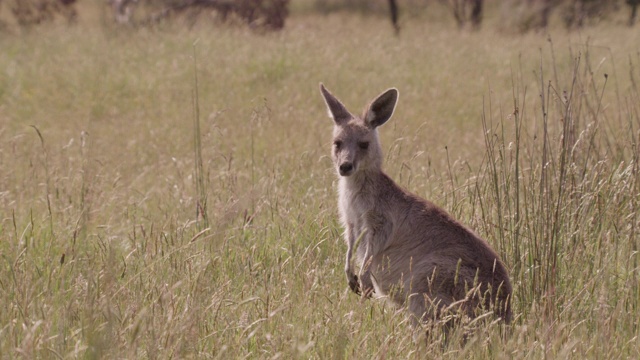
x: 337, y: 144
x: 363, y: 145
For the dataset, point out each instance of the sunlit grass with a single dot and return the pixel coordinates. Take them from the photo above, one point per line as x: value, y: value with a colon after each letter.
x: 103, y: 254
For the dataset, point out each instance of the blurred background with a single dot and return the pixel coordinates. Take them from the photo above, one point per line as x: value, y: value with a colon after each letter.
x: 271, y: 15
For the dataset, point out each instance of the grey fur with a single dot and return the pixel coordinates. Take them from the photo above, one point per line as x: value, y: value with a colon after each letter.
x: 406, y: 248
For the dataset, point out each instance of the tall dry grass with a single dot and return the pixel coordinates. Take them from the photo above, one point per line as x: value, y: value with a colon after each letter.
x: 112, y: 141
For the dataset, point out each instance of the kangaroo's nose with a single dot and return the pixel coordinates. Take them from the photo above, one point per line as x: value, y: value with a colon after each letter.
x: 346, y: 168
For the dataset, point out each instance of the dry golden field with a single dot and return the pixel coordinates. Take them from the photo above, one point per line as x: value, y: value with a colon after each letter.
x: 168, y: 192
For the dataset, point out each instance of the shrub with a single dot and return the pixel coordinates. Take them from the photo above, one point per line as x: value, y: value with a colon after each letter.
x: 33, y: 12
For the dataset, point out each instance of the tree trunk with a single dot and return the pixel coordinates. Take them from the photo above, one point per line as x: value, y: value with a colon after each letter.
x: 393, y: 10
x: 634, y: 11
x: 545, y: 11
x: 476, y: 13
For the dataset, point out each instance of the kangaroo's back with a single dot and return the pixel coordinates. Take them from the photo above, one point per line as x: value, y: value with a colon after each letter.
x: 406, y: 247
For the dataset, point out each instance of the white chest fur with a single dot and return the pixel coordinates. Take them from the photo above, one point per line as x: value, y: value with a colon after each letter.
x: 354, y: 201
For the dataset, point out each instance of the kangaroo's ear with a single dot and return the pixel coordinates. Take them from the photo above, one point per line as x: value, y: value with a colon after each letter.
x: 337, y: 111
x: 381, y: 109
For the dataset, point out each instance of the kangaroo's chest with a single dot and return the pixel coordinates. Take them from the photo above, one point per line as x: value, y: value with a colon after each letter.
x: 356, y: 207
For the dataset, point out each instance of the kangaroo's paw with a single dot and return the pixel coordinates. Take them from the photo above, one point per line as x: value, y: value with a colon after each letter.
x: 368, y: 293
x: 354, y: 284
x: 367, y: 287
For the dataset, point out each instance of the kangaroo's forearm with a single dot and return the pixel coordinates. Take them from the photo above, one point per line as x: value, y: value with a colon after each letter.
x: 352, y: 279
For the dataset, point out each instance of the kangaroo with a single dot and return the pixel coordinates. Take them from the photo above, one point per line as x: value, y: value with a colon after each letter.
x: 407, y: 249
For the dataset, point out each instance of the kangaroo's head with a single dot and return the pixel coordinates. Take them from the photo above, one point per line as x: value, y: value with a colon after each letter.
x: 356, y: 147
